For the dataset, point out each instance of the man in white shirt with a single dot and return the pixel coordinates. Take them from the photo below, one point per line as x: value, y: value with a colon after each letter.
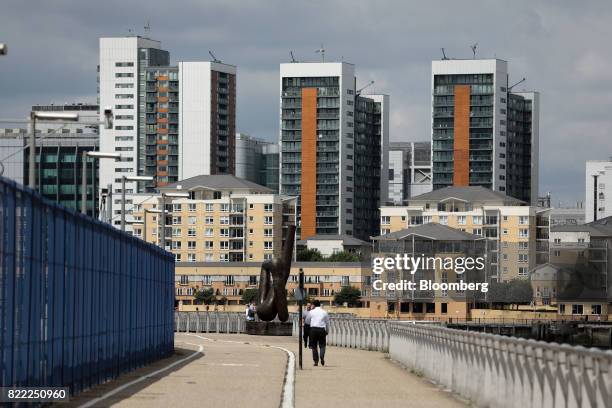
x: 319, y: 326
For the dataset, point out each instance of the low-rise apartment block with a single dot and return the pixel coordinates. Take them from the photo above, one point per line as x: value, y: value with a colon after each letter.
x: 508, y: 224
x: 224, y: 219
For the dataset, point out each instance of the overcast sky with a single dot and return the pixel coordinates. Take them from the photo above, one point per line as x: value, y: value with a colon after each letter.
x: 561, y: 47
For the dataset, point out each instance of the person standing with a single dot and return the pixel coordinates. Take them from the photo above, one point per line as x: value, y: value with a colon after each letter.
x: 319, y: 326
x: 250, y: 312
x: 306, y: 321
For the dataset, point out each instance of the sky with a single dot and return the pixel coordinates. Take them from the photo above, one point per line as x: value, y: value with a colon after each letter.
x: 561, y: 47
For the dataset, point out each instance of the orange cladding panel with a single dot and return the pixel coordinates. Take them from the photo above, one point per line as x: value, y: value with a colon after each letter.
x: 309, y: 163
x: 461, y: 149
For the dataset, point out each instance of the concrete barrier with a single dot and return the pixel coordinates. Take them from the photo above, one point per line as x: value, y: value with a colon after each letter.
x: 498, y: 371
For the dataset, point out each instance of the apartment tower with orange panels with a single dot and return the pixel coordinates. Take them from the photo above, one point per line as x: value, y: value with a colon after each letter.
x: 333, y: 149
x: 483, y: 133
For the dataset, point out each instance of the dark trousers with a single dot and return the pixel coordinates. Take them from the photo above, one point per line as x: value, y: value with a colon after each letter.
x: 317, y: 339
x: 306, y: 334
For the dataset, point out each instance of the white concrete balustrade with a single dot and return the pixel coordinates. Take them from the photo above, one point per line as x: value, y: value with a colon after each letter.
x: 498, y: 371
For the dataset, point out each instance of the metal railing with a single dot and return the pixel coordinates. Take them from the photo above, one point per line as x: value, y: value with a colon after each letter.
x: 499, y: 371
x: 80, y: 301
x: 210, y: 322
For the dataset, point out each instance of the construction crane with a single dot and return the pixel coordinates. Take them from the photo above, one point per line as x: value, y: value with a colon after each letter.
x: 364, y: 87
x: 213, y: 56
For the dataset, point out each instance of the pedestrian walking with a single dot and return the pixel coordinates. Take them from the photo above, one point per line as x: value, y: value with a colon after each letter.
x: 306, y: 321
x: 319, y: 327
x: 250, y: 312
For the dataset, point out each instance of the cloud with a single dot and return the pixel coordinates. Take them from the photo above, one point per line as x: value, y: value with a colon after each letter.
x: 560, y: 47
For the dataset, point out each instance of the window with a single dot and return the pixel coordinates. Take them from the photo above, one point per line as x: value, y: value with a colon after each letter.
x: 477, y: 231
x: 176, y: 232
x: 223, y: 257
x: 522, y: 271
x: 252, y: 280
x: 229, y: 280
x: 523, y: 220
x: 177, y: 221
x: 477, y: 219
x: 225, y: 207
x: 209, y: 244
x: 596, y: 309
x: 443, y: 219
x: 523, y: 245
x: 124, y: 64
x: 523, y: 258
x: 209, y: 207
x: 209, y: 220
x: 344, y: 281
x: 268, y: 245
x: 268, y: 232
x: 191, y: 232
x: 224, y: 245
x: 176, y: 245
x: 208, y: 257
x: 577, y: 309
x: 192, y: 220
x: 268, y: 207
x: 523, y: 233
x: 191, y: 257
x: 385, y: 220
x: 209, y: 232
x: 461, y: 219
x: 268, y: 220
x: 192, y: 207
x: 385, y: 231
x: 191, y: 245
x: 505, y: 231
x: 177, y: 257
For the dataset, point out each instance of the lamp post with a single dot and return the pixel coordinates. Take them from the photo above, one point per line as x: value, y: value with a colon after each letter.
x: 97, y: 155
x: 43, y: 116
x: 163, y: 212
x: 3, y: 49
x: 123, y: 180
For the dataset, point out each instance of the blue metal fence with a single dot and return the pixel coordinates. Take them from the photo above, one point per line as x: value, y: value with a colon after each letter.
x: 80, y: 302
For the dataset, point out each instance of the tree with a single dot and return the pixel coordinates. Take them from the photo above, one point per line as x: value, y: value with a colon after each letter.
x: 516, y: 292
x: 348, y: 294
x: 249, y: 295
x: 205, y: 296
x: 343, y: 256
x: 309, y: 255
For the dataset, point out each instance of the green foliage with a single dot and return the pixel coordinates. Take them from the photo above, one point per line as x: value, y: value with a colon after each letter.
x: 343, y: 256
x: 309, y: 255
x: 250, y: 295
x: 348, y: 294
x: 313, y: 255
x: 517, y: 291
x: 205, y: 296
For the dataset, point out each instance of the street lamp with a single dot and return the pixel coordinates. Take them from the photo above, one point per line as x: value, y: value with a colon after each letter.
x: 123, y: 180
x: 43, y: 116
x: 163, y: 217
x: 3, y: 49
x: 97, y: 155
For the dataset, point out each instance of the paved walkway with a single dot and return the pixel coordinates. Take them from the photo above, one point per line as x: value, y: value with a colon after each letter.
x: 241, y: 371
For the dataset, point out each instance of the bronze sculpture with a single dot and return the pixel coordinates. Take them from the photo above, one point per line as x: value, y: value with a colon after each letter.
x: 272, y: 281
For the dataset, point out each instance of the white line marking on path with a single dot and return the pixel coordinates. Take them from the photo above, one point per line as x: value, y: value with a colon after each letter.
x: 144, y: 377
x: 288, y: 395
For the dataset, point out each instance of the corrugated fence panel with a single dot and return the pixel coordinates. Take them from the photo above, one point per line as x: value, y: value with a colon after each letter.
x: 80, y: 302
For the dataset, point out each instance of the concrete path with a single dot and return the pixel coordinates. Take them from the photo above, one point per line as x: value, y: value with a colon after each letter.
x: 249, y: 371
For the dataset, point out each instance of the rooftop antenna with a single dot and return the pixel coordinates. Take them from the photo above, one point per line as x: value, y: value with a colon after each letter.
x: 147, y: 27
x: 444, y: 57
x: 292, y: 57
x: 213, y: 56
x: 130, y: 31
x: 473, y: 47
x: 519, y: 82
x: 364, y: 87
x: 322, y: 52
